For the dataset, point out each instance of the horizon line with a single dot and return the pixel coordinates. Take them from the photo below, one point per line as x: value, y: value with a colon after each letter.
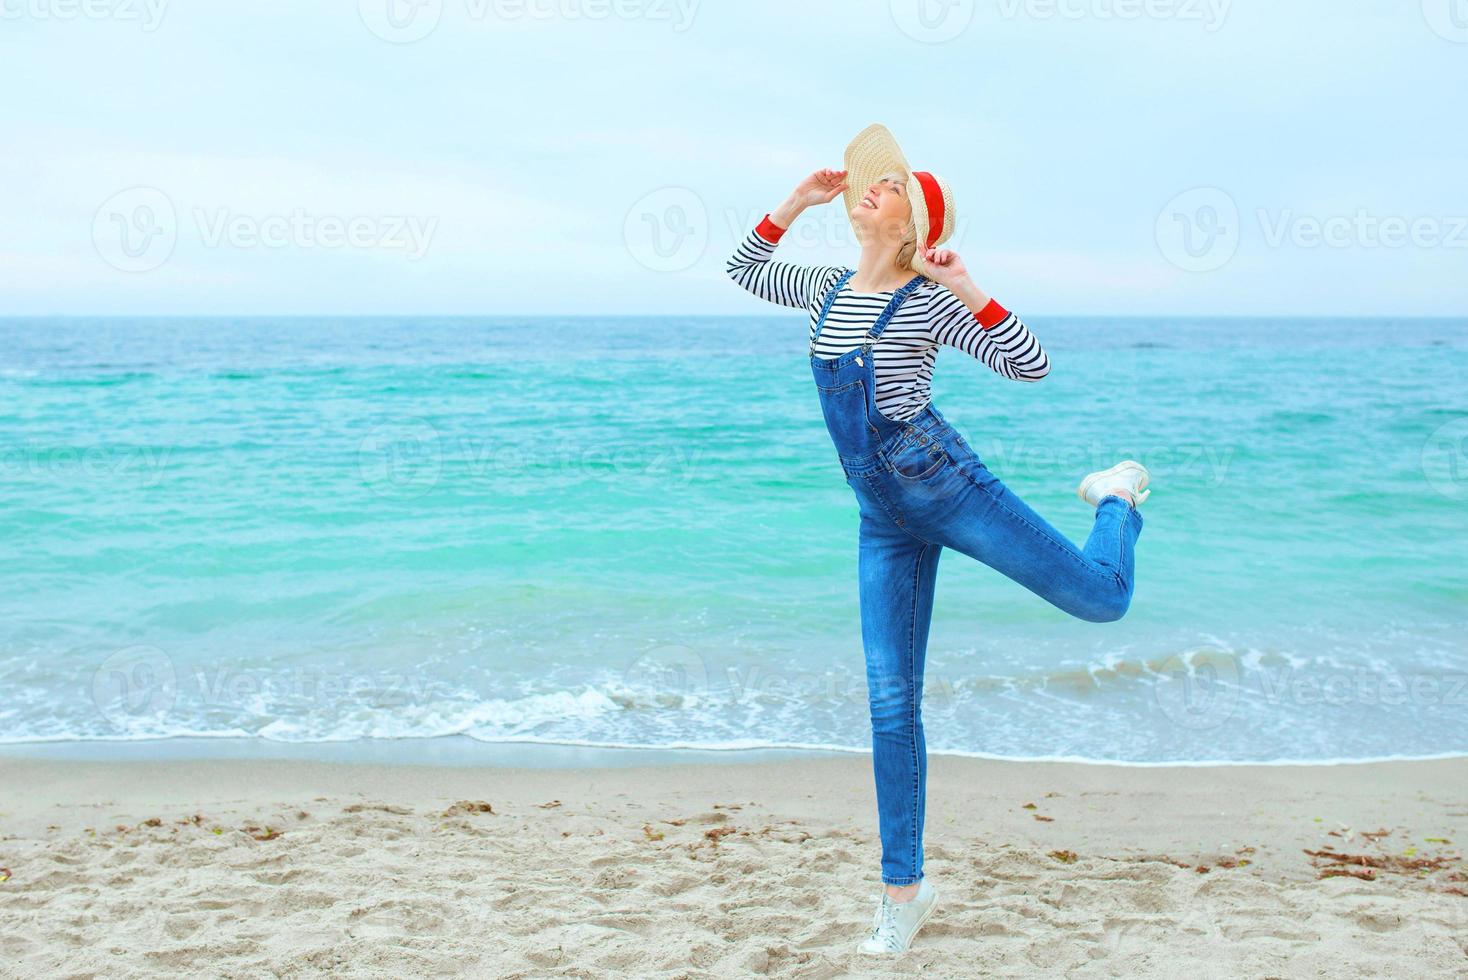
x: 750, y: 316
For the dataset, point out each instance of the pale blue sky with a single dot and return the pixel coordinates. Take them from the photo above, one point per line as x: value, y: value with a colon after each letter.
x: 521, y: 155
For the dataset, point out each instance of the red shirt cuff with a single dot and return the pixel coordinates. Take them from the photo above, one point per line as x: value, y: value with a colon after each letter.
x: 992, y: 315
x: 769, y: 231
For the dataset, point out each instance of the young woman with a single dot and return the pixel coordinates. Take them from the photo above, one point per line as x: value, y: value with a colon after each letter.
x: 874, y: 335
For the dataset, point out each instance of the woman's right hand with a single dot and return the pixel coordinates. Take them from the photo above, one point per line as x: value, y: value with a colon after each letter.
x: 821, y: 187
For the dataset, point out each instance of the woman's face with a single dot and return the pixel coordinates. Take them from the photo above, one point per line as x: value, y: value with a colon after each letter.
x: 884, y: 209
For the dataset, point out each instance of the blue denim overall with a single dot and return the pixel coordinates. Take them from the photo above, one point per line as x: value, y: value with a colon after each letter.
x: 920, y: 488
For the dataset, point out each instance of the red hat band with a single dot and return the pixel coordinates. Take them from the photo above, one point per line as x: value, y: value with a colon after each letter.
x: 933, y: 198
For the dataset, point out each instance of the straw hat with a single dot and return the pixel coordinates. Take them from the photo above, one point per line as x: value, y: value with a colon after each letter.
x: 874, y: 154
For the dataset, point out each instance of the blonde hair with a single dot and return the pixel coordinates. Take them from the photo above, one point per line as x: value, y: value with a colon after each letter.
x: 908, y: 251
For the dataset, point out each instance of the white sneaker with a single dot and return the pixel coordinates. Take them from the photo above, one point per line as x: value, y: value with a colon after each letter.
x: 896, y: 923
x: 1128, y: 475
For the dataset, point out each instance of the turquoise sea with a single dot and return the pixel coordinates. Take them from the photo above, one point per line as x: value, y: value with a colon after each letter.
x: 633, y: 531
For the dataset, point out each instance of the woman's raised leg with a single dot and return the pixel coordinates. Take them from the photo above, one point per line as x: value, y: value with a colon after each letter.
x: 991, y: 523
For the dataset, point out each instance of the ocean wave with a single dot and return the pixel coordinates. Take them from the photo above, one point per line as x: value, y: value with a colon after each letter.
x: 1207, y: 704
x: 96, y: 381
x: 735, y: 746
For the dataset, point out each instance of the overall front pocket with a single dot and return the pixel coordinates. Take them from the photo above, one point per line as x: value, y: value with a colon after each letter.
x: 923, y: 477
x: 845, y: 411
x: 918, y: 461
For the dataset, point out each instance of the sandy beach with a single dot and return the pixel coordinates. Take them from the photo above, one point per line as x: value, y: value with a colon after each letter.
x: 290, y: 868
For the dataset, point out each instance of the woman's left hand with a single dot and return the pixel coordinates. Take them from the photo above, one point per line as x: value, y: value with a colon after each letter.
x: 944, y: 266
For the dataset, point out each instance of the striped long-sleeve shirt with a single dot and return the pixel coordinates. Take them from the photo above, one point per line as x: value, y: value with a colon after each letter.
x: 904, y: 355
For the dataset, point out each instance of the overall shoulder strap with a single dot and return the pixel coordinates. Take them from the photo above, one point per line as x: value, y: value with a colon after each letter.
x: 829, y: 302
x: 898, y: 298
